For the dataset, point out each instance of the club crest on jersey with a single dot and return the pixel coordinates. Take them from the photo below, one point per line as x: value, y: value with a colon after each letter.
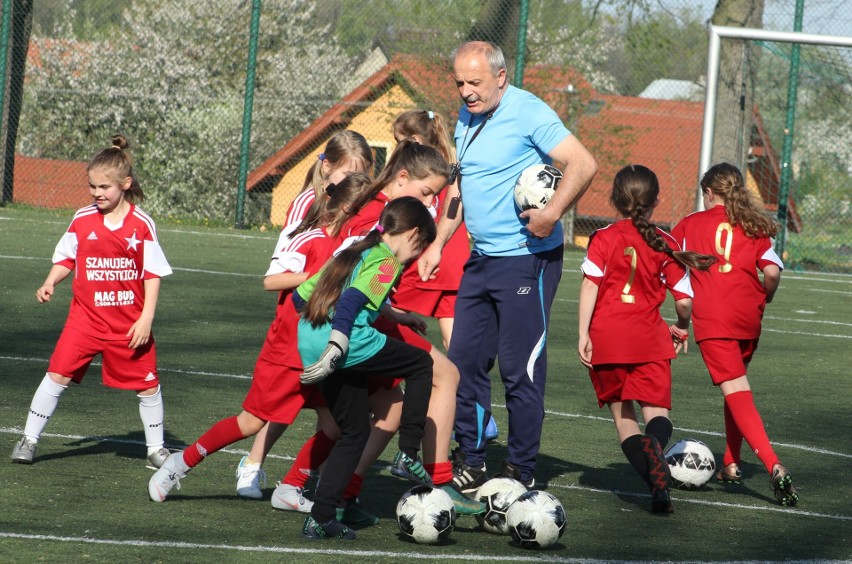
x: 92, y: 236
x: 132, y: 241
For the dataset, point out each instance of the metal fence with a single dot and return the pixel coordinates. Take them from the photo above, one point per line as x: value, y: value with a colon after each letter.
x: 627, y: 76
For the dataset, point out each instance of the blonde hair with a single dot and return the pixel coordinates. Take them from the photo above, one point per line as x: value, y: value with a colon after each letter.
x: 430, y: 127
x: 343, y: 146
x: 117, y: 162
x: 741, y: 207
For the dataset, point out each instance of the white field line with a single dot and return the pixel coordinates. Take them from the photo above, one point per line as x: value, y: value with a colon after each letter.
x: 313, y: 550
x: 807, y: 448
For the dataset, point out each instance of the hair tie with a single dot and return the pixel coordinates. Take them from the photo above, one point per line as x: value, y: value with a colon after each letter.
x: 380, y: 228
x: 330, y: 190
x: 321, y: 156
x: 431, y: 114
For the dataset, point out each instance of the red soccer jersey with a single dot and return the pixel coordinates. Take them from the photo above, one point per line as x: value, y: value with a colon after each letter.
x: 110, y: 266
x: 626, y: 326
x: 361, y: 223
x: 306, y: 252
x: 299, y: 207
x: 729, y: 298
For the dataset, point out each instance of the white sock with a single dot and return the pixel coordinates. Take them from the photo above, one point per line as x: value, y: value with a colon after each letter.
x: 151, y: 412
x: 44, y: 403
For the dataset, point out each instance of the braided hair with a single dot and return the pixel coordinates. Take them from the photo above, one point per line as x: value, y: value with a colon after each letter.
x: 634, y: 194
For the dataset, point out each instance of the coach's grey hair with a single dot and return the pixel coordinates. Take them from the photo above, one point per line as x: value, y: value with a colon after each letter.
x: 493, y: 54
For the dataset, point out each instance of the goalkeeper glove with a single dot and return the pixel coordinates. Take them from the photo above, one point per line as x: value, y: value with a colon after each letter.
x: 338, y: 344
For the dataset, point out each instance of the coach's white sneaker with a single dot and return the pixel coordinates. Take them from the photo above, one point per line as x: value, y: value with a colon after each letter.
x: 158, y: 457
x: 291, y: 498
x: 167, y: 477
x: 249, y: 477
x: 24, y: 451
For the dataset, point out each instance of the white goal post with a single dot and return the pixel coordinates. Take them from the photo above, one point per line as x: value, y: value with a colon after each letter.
x: 716, y: 35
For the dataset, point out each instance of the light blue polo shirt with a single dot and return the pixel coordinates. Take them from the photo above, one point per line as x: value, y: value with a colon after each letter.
x: 520, y: 134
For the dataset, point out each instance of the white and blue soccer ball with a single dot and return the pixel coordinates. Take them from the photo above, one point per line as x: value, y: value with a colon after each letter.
x: 426, y: 515
x: 536, y: 185
x: 536, y: 520
x: 691, y: 463
x: 498, y: 494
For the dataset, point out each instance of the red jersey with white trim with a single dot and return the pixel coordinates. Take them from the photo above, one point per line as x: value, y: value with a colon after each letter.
x: 632, y: 278
x: 305, y: 252
x: 729, y: 298
x: 110, y: 266
x: 299, y: 207
x: 363, y: 222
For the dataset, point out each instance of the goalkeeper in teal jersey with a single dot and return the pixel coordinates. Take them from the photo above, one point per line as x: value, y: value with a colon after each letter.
x: 340, y: 351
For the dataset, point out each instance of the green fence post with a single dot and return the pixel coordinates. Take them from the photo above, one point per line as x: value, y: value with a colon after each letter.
x: 523, y: 20
x: 4, y: 56
x: 787, y: 150
x: 245, y: 144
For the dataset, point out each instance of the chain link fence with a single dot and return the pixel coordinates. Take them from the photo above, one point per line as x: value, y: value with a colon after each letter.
x: 627, y: 76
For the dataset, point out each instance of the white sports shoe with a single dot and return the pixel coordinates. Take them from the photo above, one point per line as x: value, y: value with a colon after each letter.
x: 158, y: 457
x: 249, y: 477
x: 167, y: 477
x: 24, y: 451
x: 291, y: 498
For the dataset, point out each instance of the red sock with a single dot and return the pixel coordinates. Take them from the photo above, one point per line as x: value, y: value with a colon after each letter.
x: 733, y: 439
x: 313, y: 454
x: 747, y: 419
x: 353, y: 489
x: 225, y: 432
x: 441, y: 472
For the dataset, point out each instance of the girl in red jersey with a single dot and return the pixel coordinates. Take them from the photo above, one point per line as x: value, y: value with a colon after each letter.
x: 627, y: 269
x: 437, y: 296
x: 112, y: 245
x: 420, y: 171
x: 345, y: 152
x: 729, y: 304
x: 276, y: 393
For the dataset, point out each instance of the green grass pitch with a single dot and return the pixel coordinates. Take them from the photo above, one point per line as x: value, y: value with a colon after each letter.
x: 86, y: 498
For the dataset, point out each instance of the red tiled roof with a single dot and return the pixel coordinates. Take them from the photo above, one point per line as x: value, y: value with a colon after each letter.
x: 426, y: 80
x: 664, y: 135
x: 50, y: 184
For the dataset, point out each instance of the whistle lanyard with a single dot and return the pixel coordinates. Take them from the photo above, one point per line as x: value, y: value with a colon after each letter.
x: 475, y: 133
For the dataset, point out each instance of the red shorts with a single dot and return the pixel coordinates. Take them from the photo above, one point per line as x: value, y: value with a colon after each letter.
x: 122, y: 367
x: 276, y: 393
x: 438, y: 304
x: 649, y: 382
x: 727, y: 359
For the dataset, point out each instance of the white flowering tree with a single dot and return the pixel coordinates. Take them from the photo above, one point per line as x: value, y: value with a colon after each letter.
x: 172, y: 80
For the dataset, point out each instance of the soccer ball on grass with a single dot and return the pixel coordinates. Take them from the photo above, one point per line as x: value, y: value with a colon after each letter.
x: 536, y: 185
x: 497, y: 494
x: 426, y: 515
x: 691, y: 464
x: 536, y: 520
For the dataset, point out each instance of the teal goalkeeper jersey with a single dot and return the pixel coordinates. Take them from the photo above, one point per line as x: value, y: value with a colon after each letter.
x: 374, y: 276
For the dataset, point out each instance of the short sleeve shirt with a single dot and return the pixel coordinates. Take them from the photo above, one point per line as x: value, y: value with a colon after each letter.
x: 521, y: 132
x: 374, y: 276
x: 110, y: 264
x: 632, y: 278
x: 729, y: 297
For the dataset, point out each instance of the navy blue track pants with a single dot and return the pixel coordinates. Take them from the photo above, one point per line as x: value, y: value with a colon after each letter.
x: 502, y: 313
